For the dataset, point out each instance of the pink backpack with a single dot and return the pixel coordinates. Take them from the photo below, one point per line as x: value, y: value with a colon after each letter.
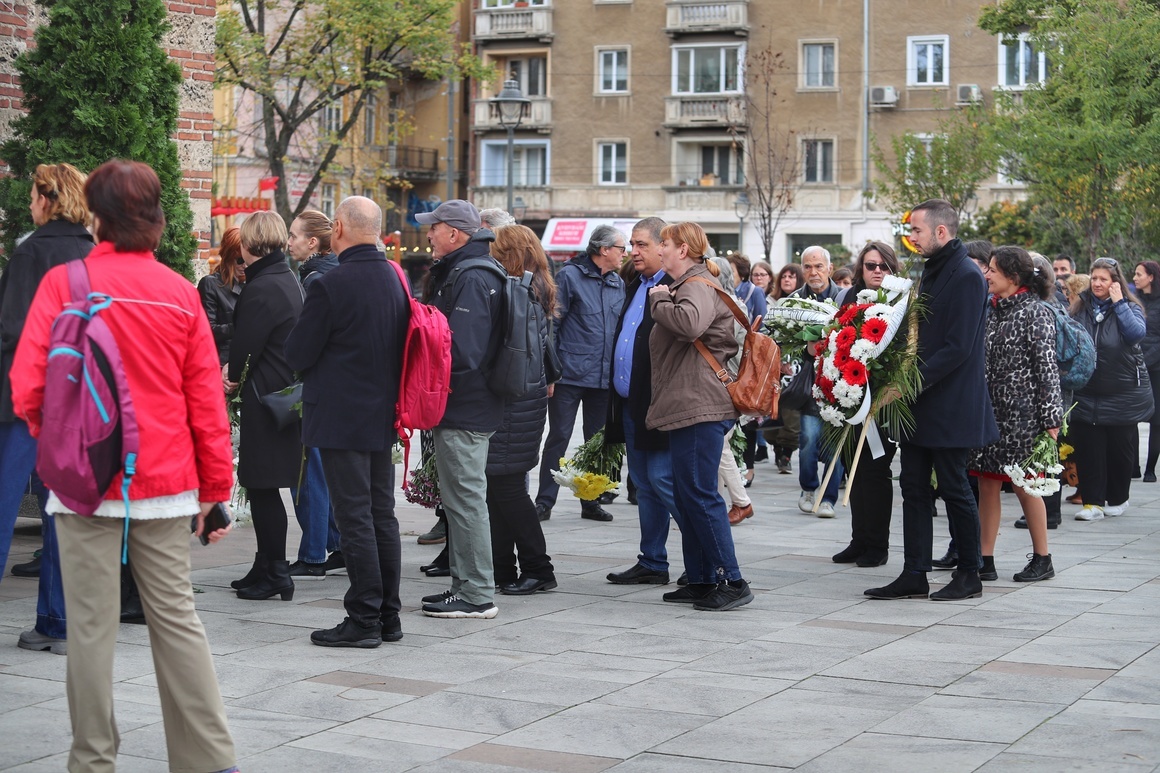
x: 89, y: 429
x: 426, y: 379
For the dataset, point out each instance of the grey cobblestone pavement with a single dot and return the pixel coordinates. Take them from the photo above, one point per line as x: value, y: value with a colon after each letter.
x: 1060, y: 675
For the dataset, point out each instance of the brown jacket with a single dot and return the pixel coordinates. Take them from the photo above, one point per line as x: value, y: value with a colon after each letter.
x: 685, y: 390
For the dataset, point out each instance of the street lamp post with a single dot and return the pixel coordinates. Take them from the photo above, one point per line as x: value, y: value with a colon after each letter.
x: 510, y: 103
x: 741, y: 209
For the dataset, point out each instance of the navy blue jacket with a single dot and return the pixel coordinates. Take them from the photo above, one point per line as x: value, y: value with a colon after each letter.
x: 953, y: 410
x: 348, y: 347
x: 472, y: 301
x: 317, y: 265
x: 589, y: 304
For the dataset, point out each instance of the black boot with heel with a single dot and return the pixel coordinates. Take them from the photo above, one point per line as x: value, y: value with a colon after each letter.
x: 276, y: 581
x: 255, y: 573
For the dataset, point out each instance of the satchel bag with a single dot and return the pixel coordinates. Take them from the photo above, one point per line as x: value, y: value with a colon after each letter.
x: 284, y: 405
x: 754, y: 390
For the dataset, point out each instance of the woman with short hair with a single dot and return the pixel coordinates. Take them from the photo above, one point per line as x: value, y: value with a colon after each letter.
x: 269, y: 458
x: 220, y: 290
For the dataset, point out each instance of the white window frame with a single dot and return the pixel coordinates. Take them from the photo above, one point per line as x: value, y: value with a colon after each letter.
x: 1004, y: 179
x: 495, y: 178
x: 833, y: 167
x: 332, y: 118
x: 602, y: 53
x: 1023, y: 39
x: 912, y: 44
x: 603, y: 171
x: 677, y: 50
x: 328, y: 197
x: 505, y: 63
x: 803, y: 67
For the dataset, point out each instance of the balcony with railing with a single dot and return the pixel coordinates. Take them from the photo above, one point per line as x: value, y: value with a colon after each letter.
x: 537, y: 115
x: 413, y: 162
x: 510, y: 23
x: 692, y: 16
x: 699, y: 111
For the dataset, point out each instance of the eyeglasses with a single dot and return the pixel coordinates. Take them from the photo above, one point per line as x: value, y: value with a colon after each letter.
x: 1105, y: 262
x: 877, y: 267
x: 241, y: 261
x: 620, y: 247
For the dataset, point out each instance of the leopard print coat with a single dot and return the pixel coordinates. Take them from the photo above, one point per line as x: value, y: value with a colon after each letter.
x: 1022, y: 377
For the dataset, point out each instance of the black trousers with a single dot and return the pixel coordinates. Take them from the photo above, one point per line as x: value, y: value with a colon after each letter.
x: 565, y: 401
x: 872, y: 499
x: 515, y: 526
x: 1154, y: 423
x: 950, y: 465
x: 1104, y: 455
x: 269, y: 515
x: 361, y: 487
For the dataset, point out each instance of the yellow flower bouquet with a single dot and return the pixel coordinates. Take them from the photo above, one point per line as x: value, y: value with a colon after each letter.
x: 592, y: 469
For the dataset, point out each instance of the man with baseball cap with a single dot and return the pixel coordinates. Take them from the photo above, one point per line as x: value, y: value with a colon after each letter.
x: 472, y: 300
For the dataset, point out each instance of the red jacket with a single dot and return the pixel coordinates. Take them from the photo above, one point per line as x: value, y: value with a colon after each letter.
x: 171, y: 364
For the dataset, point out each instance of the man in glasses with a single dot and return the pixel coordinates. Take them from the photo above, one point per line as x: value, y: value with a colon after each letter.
x: 589, y: 296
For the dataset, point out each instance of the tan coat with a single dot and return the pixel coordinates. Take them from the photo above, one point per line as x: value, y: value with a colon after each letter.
x: 685, y: 390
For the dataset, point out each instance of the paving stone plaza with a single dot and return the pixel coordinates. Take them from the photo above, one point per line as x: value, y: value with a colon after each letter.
x: 1059, y: 676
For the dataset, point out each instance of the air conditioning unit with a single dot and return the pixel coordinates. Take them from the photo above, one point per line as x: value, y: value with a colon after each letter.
x: 883, y: 96
x: 969, y: 94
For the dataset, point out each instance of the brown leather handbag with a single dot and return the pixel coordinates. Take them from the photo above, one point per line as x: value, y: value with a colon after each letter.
x: 755, y: 389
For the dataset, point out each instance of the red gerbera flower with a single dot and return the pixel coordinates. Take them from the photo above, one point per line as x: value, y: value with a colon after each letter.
x: 846, y: 337
x: 841, y: 356
x: 827, y: 388
x: 874, y: 329
x: 848, y: 314
x: 854, y: 372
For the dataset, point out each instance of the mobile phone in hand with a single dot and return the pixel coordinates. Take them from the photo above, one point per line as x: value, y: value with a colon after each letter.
x: 216, y: 518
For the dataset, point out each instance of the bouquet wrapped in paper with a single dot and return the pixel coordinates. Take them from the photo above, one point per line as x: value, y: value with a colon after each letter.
x: 794, y: 323
x: 592, y: 470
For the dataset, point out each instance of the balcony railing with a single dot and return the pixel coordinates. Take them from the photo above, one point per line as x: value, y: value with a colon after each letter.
x: 699, y: 111
x: 688, y: 16
x: 537, y: 115
x: 513, y: 23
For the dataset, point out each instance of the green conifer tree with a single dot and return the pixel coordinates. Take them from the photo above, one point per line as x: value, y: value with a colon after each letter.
x: 98, y: 86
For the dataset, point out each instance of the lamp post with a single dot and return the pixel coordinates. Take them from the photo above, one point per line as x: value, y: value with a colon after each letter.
x: 510, y: 103
x: 519, y: 209
x: 741, y: 209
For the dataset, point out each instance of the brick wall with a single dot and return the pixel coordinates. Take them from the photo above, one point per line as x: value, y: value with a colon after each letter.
x: 189, y: 42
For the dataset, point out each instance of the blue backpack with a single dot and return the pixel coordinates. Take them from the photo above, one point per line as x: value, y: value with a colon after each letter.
x: 1074, y: 351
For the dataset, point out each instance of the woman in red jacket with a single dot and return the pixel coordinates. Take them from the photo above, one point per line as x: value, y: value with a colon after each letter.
x: 184, y: 467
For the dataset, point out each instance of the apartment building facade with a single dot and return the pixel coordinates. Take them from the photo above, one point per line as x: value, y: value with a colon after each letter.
x: 642, y: 107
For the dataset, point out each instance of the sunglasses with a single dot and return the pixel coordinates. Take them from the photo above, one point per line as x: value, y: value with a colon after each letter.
x: 869, y: 266
x: 1104, y: 262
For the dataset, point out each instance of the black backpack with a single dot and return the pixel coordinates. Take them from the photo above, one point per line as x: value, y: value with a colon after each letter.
x: 518, y: 367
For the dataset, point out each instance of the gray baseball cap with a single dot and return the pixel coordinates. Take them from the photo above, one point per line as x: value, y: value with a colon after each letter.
x: 456, y: 213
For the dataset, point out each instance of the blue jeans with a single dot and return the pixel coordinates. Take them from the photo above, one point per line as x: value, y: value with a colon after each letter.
x: 701, y: 513
x: 314, y: 512
x: 810, y: 453
x: 652, y: 472
x: 50, y: 617
x: 17, y: 461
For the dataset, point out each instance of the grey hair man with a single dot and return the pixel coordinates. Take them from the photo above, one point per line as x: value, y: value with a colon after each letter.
x: 589, y: 296
x: 495, y: 218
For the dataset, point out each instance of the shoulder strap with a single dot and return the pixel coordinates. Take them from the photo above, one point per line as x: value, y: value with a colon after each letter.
x: 742, y: 317
x: 721, y: 373
x: 78, y: 280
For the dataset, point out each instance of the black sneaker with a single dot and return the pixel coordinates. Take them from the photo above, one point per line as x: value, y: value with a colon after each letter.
x: 1038, y: 568
x: 334, y: 562
x: 726, y: 596
x: 392, y: 629
x: 348, y: 633
x: 438, y: 598
x: 30, y: 569
x: 543, y: 512
x: 455, y: 607
x: 300, y: 570
x: 594, y: 512
x: 689, y: 594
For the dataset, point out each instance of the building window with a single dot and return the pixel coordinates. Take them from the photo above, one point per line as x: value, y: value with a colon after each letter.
x: 613, y: 163
x: 371, y: 121
x: 328, y: 196
x: 724, y: 162
x: 510, y: 3
x: 818, y: 62
x: 613, y: 71
x: 529, y: 163
x: 927, y: 60
x: 818, y: 161
x: 332, y: 118
x: 1020, y: 65
x: 698, y: 161
x: 531, y: 72
x: 707, y: 69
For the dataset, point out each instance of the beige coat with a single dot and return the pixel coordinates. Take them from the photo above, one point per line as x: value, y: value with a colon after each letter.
x: 685, y: 390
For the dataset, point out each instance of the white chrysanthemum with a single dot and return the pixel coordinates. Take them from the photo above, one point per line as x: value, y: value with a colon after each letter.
x: 867, y: 296
x: 830, y: 414
x: 863, y: 350
x: 847, y: 394
x: 879, y: 311
x: 1055, y: 469
x: 830, y: 370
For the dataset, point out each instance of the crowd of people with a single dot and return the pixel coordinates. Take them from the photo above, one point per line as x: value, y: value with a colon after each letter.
x: 315, y: 314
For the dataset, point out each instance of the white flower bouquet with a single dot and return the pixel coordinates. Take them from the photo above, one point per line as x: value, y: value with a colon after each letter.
x: 795, y: 322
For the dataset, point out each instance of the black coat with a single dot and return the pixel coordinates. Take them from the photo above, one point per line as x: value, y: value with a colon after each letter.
x: 348, y: 346
x: 269, y: 306
x: 953, y: 410
x: 640, y: 382
x: 317, y: 265
x: 55, y: 242
x: 472, y: 301
x: 219, y: 302
x: 1151, y: 343
x: 834, y: 293
x: 515, y: 446
x: 1120, y: 390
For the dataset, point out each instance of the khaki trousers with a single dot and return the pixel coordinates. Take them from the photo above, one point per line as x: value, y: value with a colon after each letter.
x: 196, y: 734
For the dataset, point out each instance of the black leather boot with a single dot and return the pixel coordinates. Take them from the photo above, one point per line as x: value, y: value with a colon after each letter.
x: 255, y: 573
x: 274, y: 582
x: 987, y: 571
x: 964, y: 584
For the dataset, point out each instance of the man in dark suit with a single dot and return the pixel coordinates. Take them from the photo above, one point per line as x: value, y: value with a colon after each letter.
x: 630, y: 385
x: 348, y: 345
x: 952, y: 413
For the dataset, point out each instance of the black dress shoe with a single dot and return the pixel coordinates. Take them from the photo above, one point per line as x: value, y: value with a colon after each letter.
x: 543, y: 512
x: 639, y: 575
x: 594, y: 512
x: 607, y: 497
x: 908, y: 585
x: 964, y: 584
x: 1021, y: 523
x: 949, y: 561
x: 436, y: 570
x: 1150, y: 477
x: 873, y: 557
x: 526, y: 586
x: 348, y: 633
x: 30, y: 569
x: 849, y: 555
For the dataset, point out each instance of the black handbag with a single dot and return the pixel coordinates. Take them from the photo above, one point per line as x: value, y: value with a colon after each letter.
x: 285, y: 405
x: 799, y: 392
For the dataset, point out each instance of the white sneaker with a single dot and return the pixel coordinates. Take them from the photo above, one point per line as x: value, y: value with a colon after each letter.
x: 1091, y: 513
x: 806, y: 502
x: 1114, y: 510
x: 826, y: 510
